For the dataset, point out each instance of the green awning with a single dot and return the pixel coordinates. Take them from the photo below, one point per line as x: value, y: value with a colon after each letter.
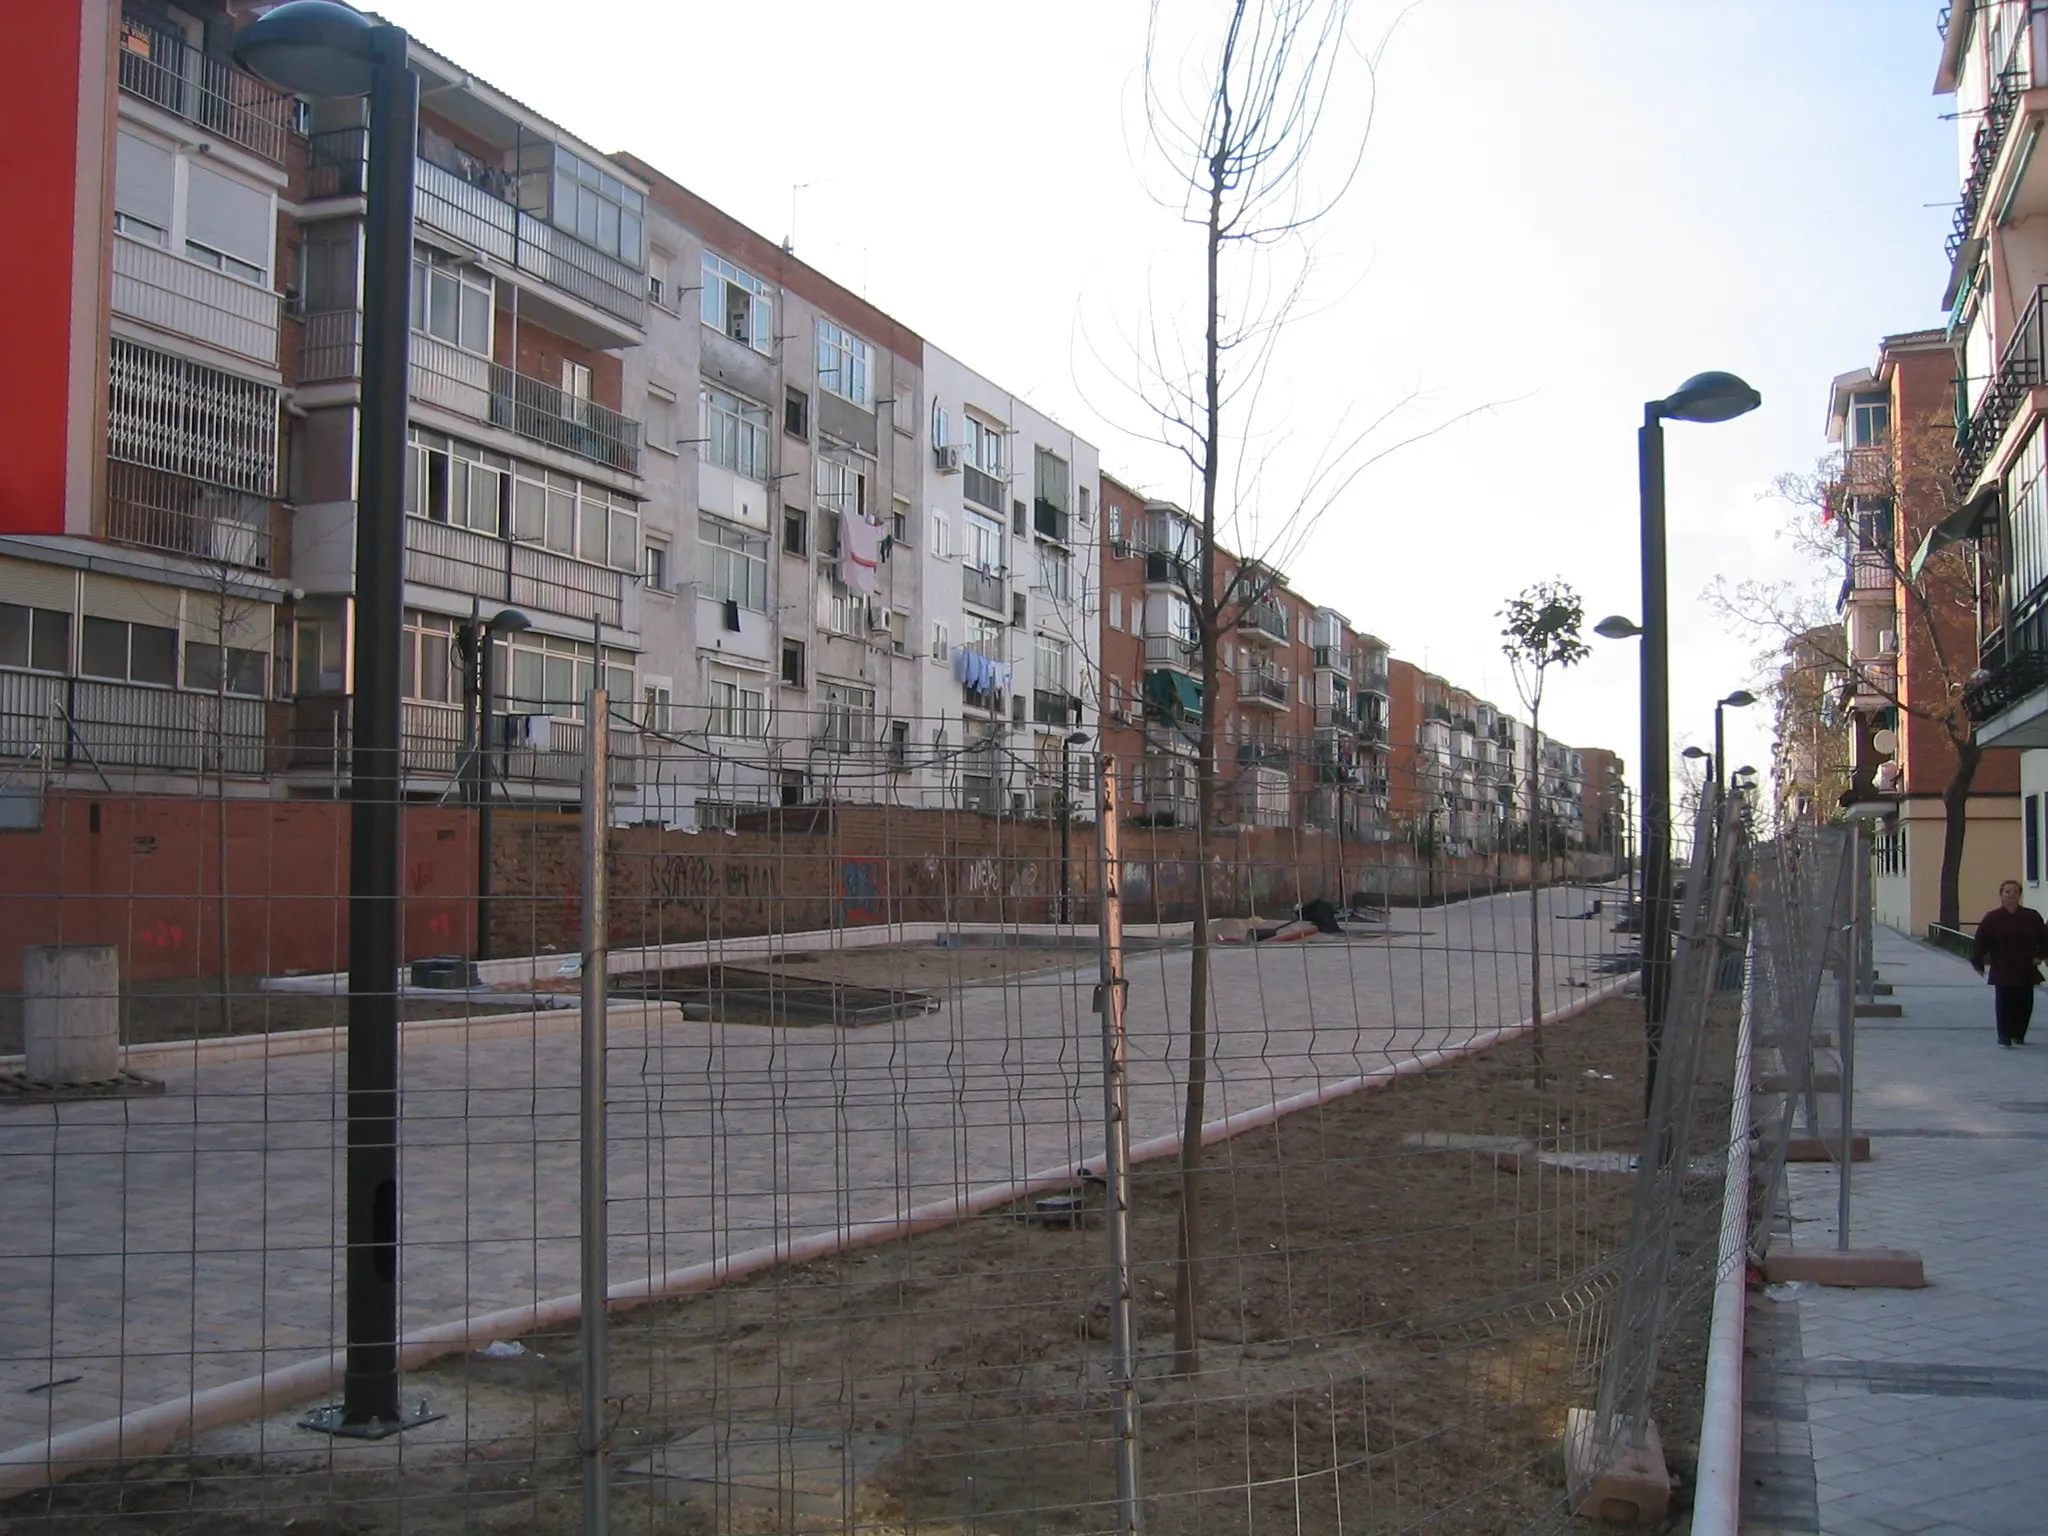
x: 1175, y: 693
x: 1956, y: 527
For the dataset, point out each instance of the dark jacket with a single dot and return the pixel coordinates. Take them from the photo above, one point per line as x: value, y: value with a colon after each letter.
x: 2010, y: 943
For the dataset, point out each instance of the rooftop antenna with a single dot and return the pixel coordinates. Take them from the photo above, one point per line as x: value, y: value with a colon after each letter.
x: 789, y: 240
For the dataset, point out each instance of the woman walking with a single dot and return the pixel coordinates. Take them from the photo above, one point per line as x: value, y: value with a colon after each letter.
x: 2010, y: 938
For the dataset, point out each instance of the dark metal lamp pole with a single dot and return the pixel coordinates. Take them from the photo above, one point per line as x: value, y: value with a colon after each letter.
x: 318, y: 48
x: 1077, y: 739
x: 484, y: 764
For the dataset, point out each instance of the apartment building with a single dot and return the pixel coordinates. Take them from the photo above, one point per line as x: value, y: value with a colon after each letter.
x: 145, y: 583
x: 1301, y: 700
x: 1908, y: 643
x: 1994, y: 62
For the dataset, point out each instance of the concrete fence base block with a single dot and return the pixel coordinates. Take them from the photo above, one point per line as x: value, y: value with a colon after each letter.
x: 71, y: 1013
x: 1786, y: 1082
x: 1867, y: 1268
x: 1820, y: 1149
x: 1880, y: 1010
x: 1632, y: 1487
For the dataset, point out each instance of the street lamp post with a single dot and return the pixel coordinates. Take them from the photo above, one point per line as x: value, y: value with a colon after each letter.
x: 1741, y: 698
x: 484, y: 760
x: 1078, y: 738
x: 319, y: 48
x: 1705, y: 397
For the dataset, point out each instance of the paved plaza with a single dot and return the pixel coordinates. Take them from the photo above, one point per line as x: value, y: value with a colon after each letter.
x: 1887, y: 1413
x: 158, y: 1246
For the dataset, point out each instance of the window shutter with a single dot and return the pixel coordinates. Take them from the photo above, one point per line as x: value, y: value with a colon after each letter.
x: 228, y: 216
x: 142, y: 181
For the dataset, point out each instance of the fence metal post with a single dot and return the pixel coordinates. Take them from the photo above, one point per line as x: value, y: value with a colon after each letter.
x: 595, y: 1434
x: 1854, y: 935
x: 1116, y: 1125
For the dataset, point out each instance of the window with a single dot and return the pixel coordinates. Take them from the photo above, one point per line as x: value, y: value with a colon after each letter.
x: 655, y: 571
x: 984, y: 543
x: 795, y: 538
x: 942, y: 426
x: 598, y: 208
x: 655, y: 706
x: 899, y: 521
x: 452, y: 302
x: 1116, y: 610
x: 792, y: 663
x: 1017, y: 611
x: 1019, y: 515
x: 843, y: 364
x: 2033, y: 824
x: 1084, y: 507
x: 942, y: 647
x: 136, y: 653
x: 551, y: 675
x: 1870, y: 421
x: 427, y: 662
x: 796, y: 413
x: 736, y: 434
x: 661, y: 291
x: 736, y: 564
x: 843, y: 485
x: 574, y: 517
x: 1116, y: 525
x: 248, y: 671
x: 36, y: 638
x: 320, y: 653
x: 736, y: 304
x: 984, y: 447
x: 2026, y: 500
x: 847, y: 718
x: 942, y: 536
x: 450, y: 481
x: 738, y: 708
x: 1051, y: 481
x: 899, y: 743
x: 1052, y: 665
x: 1056, y: 569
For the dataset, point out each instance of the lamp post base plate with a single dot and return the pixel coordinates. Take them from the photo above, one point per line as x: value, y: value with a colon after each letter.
x: 329, y: 1421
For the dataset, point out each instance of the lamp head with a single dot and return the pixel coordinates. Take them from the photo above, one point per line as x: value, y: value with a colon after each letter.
x: 310, y: 48
x: 508, y: 621
x: 1693, y: 753
x: 1615, y: 627
x: 1078, y: 739
x: 1709, y: 397
x: 1741, y: 698
x: 1745, y: 768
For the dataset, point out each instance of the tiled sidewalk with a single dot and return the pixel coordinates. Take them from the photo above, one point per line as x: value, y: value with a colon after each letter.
x: 1924, y: 1411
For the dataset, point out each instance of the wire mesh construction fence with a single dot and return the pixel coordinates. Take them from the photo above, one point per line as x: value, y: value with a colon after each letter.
x: 873, y: 1126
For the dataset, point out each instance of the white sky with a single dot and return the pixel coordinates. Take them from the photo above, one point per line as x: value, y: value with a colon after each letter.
x: 1566, y: 207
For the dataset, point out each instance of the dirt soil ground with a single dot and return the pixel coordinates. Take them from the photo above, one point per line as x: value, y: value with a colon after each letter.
x: 1406, y: 1292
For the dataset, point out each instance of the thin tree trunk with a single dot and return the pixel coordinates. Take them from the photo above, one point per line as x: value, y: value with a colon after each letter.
x: 1955, y: 801
x: 1187, y: 1291
x: 1535, y: 890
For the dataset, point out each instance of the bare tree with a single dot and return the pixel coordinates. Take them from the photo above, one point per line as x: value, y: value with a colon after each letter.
x: 1541, y: 632
x: 1846, y: 522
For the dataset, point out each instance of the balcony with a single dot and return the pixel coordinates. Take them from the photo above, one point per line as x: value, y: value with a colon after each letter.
x: 1332, y: 658
x: 182, y: 297
x: 1330, y: 717
x: 1049, y: 520
x: 211, y: 523
x: 1870, y: 571
x: 2011, y: 82
x: 483, y: 391
x: 1164, y: 811
x: 1263, y: 621
x: 159, y: 67
x: 1874, y: 685
x: 86, y: 723
x: 2020, y: 368
x: 1171, y: 651
x: 482, y: 220
x: 1371, y: 676
x: 983, y: 488
x: 458, y: 559
x: 435, y: 745
x: 1172, y: 570
x: 1054, y: 708
x: 1261, y: 689
x: 984, y: 589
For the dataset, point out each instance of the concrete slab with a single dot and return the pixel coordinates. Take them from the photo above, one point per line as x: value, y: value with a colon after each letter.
x: 1632, y: 1487
x: 1892, y: 1268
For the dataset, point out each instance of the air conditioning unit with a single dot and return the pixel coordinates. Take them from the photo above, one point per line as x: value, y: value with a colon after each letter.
x: 948, y: 458
x: 878, y: 616
x: 1120, y: 549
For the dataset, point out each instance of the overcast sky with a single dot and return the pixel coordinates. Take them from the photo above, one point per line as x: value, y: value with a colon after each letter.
x: 1565, y: 207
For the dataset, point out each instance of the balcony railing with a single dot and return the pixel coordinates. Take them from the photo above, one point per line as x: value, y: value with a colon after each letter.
x: 484, y: 221
x: 78, y: 722
x: 1164, y: 811
x: 983, y: 488
x: 167, y: 512
x: 1371, y: 677
x: 435, y: 744
x: 2012, y: 80
x: 482, y: 390
x: 1262, y: 688
x: 1871, y: 571
x: 984, y: 589
x: 172, y: 294
x: 1050, y: 521
x: 2020, y: 368
x: 1168, y: 651
x: 162, y: 68
x: 1263, y: 618
x: 458, y: 559
x: 1333, y: 658
x: 1171, y: 570
x: 1054, y: 708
